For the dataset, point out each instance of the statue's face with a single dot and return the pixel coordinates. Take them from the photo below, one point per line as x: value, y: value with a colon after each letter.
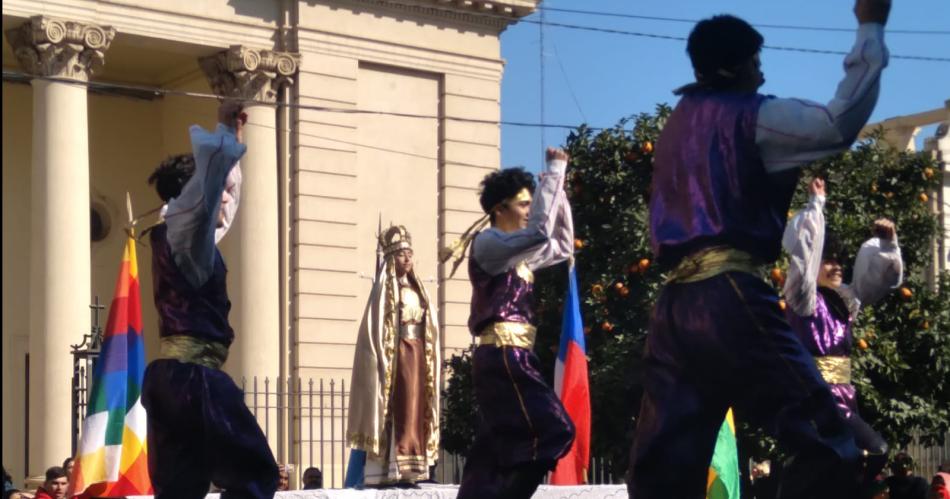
x: 403, y: 260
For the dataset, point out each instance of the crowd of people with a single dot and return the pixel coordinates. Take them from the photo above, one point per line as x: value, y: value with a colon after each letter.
x: 901, y: 483
x: 55, y: 483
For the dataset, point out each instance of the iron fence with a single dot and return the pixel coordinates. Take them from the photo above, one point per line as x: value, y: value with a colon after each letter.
x: 310, y: 416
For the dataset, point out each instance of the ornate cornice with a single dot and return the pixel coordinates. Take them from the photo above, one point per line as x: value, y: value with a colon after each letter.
x: 249, y: 74
x: 67, y: 49
x: 496, y: 14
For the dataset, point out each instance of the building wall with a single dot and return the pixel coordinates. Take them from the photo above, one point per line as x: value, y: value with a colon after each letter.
x: 346, y: 169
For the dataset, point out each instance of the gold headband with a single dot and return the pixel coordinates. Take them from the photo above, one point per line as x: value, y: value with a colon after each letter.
x: 523, y: 195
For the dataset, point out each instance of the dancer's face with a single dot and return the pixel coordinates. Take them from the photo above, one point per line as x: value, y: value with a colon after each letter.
x: 512, y: 215
x: 830, y: 275
x: 751, y: 74
x: 403, y: 260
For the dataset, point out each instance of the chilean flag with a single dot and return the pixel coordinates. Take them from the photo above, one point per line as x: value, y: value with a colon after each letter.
x: 571, y: 385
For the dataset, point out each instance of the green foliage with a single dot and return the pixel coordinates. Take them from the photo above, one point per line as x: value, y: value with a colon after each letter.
x: 903, y: 376
x: 458, y: 405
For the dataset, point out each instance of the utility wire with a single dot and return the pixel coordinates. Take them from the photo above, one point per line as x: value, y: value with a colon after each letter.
x: 156, y: 92
x: 771, y: 26
x: 681, y: 38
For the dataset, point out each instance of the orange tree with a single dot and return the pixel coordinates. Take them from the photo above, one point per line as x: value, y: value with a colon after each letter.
x: 902, y: 356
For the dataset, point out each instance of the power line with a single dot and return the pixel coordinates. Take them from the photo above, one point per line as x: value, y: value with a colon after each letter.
x: 681, y: 38
x: 156, y: 92
x: 770, y: 26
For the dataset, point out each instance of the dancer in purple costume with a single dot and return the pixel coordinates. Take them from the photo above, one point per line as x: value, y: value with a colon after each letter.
x: 523, y: 428
x: 199, y: 428
x: 725, y: 169
x: 821, y: 308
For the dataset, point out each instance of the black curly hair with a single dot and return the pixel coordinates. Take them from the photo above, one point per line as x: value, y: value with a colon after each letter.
x: 834, y: 249
x: 498, y: 186
x: 172, y: 175
x: 717, y: 45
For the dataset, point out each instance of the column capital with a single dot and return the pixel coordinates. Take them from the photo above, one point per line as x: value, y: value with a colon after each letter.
x: 252, y: 74
x: 56, y: 47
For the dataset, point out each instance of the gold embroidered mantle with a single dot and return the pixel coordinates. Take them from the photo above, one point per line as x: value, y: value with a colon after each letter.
x: 374, y: 367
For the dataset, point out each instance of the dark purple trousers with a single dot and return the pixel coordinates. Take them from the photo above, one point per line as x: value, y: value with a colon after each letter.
x: 522, y: 423
x: 724, y: 342
x: 199, y: 431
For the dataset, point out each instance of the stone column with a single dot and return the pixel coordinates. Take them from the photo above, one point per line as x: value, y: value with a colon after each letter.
x: 251, y: 247
x: 60, y: 281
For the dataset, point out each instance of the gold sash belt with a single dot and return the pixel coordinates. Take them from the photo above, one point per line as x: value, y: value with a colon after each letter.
x: 508, y: 334
x: 836, y: 370
x: 412, y: 331
x: 711, y: 262
x: 194, y: 350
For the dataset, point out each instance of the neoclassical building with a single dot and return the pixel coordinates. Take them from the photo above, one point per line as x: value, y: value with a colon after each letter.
x: 425, y: 76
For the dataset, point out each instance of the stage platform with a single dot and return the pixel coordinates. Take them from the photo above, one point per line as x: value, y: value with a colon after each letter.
x: 426, y: 491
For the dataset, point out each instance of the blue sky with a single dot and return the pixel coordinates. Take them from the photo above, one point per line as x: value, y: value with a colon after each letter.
x: 613, y: 76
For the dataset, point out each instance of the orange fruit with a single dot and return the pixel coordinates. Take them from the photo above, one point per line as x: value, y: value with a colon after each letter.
x: 929, y: 173
x: 647, y: 147
x: 906, y: 293
x: 782, y: 305
x: 925, y: 325
x: 586, y: 329
x: 776, y: 275
x: 644, y: 265
x: 624, y: 292
x: 618, y: 286
x: 862, y: 344
x: 578, y: 244
x: 923, y: 197
x: 874, y: 187
x: 607, y: 326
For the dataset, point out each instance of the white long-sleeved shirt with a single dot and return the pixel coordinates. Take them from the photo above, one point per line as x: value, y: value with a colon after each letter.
x: 548, y: 238
x: 793, y: 132
x: 192, y: 217
x: 878, y: 267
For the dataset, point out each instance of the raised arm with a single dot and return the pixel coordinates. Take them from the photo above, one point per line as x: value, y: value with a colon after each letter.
x: 878, y: 267
x: 194, y: 217
x: 497, y: 251
x: 560, y: 246
x: 792, y: 132
x: 804, y: 240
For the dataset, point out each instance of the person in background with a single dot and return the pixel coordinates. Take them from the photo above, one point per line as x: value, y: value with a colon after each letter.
x: 55, y: 485
x: 283, y: 481
x: 68, y: 466
x: 902, y: 483
x: 312, y: 479
x: 940, y: 486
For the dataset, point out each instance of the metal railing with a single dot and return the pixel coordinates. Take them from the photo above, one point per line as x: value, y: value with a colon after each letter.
x: 315, y: 416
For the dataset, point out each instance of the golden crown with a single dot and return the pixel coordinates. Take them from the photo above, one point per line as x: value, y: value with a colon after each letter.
x: 395, y: 238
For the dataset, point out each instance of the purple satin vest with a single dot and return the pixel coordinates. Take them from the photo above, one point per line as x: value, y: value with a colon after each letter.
x: 827, y: 331
x: 505, y: 297
x: 182, y: 309
x: 710, y: 186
